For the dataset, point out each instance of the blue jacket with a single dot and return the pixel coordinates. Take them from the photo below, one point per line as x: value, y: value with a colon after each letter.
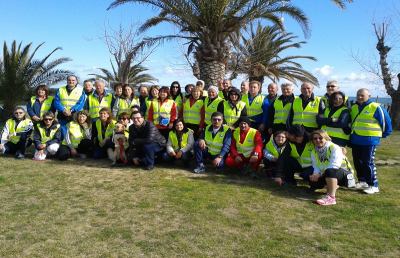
x: 382, y: 116
x: 34, y: 110
x: 263, y: 117
x: 77, y: 107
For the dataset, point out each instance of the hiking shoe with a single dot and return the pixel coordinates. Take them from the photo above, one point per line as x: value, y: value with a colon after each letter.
x: 20, y: 156
x: 200, y: 170
x: 149, y: 168
x: 327, y: 200
x: 361, y: 185
x: 371, y: 190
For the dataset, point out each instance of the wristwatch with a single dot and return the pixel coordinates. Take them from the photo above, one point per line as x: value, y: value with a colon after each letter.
x: 255, y: 154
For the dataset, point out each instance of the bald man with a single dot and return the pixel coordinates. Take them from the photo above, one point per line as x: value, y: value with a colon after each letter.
x: 370, y: 123
x: 272, y: 92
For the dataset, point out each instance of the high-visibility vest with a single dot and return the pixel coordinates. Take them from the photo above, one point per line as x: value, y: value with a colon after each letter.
x: 76, y: 134
x: 164, y: 110
x: 215, y: 144
x: 247, y: 147
x: 308, y: 116
x: 108, y: 132
x: 210, y: 108
x: 46, y: 104
x: 272, y: 148
x: 174, y: 139
x: 42, y: 131
x: 221, y: 94
x: 230, y: 114
x: 364, y: 123
x: 21, y: 127
x: 69, y: 100
x: 255, y: 108
x: 305, y: 157
x: 95, y: 106
x: 324, y: 164
x: 179, y: 103
x: 125, y: 105
x: 335, y: 131
x: 191, y: 114
x: 281, y: 112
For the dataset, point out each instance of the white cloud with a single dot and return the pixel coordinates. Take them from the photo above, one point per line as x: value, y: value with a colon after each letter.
x: 325, y: 70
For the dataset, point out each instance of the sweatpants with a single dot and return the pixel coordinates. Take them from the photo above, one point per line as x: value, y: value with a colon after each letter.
x: 230, y: 162
x: 364, y: 163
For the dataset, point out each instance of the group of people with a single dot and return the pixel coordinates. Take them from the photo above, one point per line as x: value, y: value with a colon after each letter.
x: 230, y: 127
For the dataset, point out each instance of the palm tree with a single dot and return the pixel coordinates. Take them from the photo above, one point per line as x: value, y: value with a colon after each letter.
x: 341, y: 3
x: 20, y: 73
x: 209, y: 25
x: 263, y: 55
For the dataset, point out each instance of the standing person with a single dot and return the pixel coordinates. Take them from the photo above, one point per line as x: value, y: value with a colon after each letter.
x: 279, y: 111
x: 153, y: 95
x: 211, y: 104
x: 272, y: 92
x: 125, y: 101
x: 332, y: 86
x: 305, y: 108
x: 370, y: 123
x: 202, y: 85
x: 226, y: 86
x: 145, y: 141
x: 233, y: 108
x: 193, y: 112
x: 188, y: 90
x: 162, y: 112
x: 214, y: 143
x: 143, y: 96
x: 244, y: 88
x: 88, y: 87
x: 40, y: 103
x: 68, y: 100
x: 246, y: 147
x: 100, y: 98
x: 257, y: 106
x: 336, y: 120
x: 273, y: 150
x: 177, y: 95
x: 102, y: 131
x: 15, y: 133
x: 46, y: 137
x: 78, y: 140
x: 118, y: 90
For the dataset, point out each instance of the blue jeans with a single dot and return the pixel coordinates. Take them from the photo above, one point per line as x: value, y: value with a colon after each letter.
x: 203, y: 155
x: 186, y: 157
x: 147, y: 153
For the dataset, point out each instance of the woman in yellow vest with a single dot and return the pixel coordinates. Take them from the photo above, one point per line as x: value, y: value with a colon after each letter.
x: 330, y: 167
x: 176, y: 95
x: 46, y: 137
x: 153, y: 95
x: 102, y: 131
x: 180, y: 143
x: 125, y: 101
x: 78, y: 140
x: 336, y: 119
x: 273, y: 150
x: 15, y: 133
x: 40, y: 103
x: 211, y: 104
x: 233, y: 108
x: 193, y: 111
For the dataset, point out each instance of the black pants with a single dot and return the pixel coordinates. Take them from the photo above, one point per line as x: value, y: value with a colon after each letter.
x: 84, y: 147
x: 288, y: 166
x: 15, y: 148
x: 340, y: 174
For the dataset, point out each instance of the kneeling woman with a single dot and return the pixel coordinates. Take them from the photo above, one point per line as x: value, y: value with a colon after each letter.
x: 331, y: 167
x: 46, y: 137
x: 273, y: 150
x: 180, y: 143
x: 102, y: 131
x: 78, y: 140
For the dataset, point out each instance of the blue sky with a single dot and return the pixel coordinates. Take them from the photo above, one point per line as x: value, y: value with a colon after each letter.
x: 77, y: 27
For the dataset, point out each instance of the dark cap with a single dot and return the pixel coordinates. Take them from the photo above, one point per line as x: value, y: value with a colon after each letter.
x: 244, y: 119
x: 297, y: 130
x: 234, y: 90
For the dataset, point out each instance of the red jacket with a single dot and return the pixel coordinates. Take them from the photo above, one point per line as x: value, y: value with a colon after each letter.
x: 257, y: 141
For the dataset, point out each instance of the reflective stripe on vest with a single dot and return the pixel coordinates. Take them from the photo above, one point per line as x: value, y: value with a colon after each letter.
x: 45, y: 105
x: 191, y: 114
x: 230, y: 114
x: 210, y: 109
x: 174, y: 139
x: 108, y: 132
x: 255, y: 108
x: 305, y: 158
x: 68, y: 101
x: 43, y: 137
x: 247, y: 147
x: 215, y: 144
x: 21, y: 127
x: 272, y: 148
x: 281, y: 112
x: 95, y: 106
x: 165, y: 110
x: 364, y: 123
x: 335, y: 131
x: 125, y: 105
x: 308, y: 116
x: 76, y: 134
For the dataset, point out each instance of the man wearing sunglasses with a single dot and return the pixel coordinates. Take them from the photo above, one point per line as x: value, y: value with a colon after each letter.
x: 332, y: 86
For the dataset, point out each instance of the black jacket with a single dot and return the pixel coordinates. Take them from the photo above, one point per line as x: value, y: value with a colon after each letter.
x: 147, y: 133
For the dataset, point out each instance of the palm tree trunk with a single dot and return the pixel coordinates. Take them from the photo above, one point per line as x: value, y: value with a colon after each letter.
x: 211, y: 72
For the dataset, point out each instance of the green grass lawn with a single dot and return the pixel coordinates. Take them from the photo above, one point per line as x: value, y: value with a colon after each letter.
x: 80, y: 208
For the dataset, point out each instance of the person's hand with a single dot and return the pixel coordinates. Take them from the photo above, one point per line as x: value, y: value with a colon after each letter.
x: 172, y: 154
x: 261, y: 128
x: 136, y: 161
x: 74, y: 152
x: 179, y: 154
x: 217, y: 161
x: 101, y: 143
x: 42, y: 146
x: 334, y: 119
x: 238, y: 159
x: 202, y: 144
x: 41, y: 152
x: 1, y: 147
x: 253, y: 159
x: 67, y: 112
x: 269, y: 130
x: 314, y: 177
x: 170, y: 126
x: 36, y: 118
x: 278, y: 181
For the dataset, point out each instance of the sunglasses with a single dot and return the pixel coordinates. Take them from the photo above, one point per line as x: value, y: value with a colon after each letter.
x: 317, y: 138
x: 18, y: 113
x: 217, y: 119
x: 175, y: 87
x: 331, y: 86
x: 47, y: 119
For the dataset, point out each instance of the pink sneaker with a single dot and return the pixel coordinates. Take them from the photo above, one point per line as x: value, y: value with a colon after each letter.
x: 327, y: 200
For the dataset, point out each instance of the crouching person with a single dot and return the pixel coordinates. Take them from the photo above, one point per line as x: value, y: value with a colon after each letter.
x: 145, y: 141
x: 102, y: 132
x: 331, y: 167
x: 15, y: 133
x: 273, y: 150
x: 180, y: 143
x: 214, y: 144
x: 78, y: 139
x: 46, y: 137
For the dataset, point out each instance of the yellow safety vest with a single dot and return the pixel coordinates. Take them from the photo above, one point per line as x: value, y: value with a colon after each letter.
x: 174, y: 139
x: 221, y: 94
x: 335, y: 131
x: 255, y: 108
x: 191, y: 114
x: 281, y: 112
x: 247, y: 147
x: 230, y: 114
x: 69, y: 100
x: 179, y: 103
x: 43, y: 137
x: 125, y: 105
x: 272, y: 148
x: 164, y: 110
x: 305, y: 157
x: 21, y: 127
x: 308, y: 116
x: 108, y: 132
x: 46, y: 104
x: 215, y: 144
x: 322, y: 165
x: 95, y: 106
x: 76, y: 134
x: 364, y: 122
x: 210, y: 109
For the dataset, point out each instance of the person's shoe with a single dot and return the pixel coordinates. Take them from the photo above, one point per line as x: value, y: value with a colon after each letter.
x: 361, y: 185
x: 149, y: 168
x: 327, y: 200
x: 20, y: 156
x: 200, y: 170
x: 371, y: 190
x: 83, y: 156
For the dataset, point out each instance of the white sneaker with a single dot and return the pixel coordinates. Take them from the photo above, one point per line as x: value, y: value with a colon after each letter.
x: 361, y: 185
x: 371, y: 190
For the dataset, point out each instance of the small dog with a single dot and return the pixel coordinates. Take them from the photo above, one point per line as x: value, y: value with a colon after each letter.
x: 121, y: 144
